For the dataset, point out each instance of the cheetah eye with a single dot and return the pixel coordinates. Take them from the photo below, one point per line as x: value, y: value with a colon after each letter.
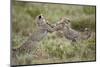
x: 68, y: 20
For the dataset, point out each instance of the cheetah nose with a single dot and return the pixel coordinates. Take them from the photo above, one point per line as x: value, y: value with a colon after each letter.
x: 40, y: 17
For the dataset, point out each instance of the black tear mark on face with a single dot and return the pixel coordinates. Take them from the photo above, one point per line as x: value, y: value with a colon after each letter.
x: 40, y: 17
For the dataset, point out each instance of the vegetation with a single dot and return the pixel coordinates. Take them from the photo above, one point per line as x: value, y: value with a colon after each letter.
x: 52, y: 48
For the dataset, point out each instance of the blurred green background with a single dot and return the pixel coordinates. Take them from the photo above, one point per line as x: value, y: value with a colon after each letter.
x: 52, y: 48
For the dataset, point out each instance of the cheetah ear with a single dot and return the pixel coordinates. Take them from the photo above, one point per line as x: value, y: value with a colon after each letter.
x: 86, y: 29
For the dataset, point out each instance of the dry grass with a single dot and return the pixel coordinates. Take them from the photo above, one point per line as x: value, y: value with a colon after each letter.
x: 52, y: 49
